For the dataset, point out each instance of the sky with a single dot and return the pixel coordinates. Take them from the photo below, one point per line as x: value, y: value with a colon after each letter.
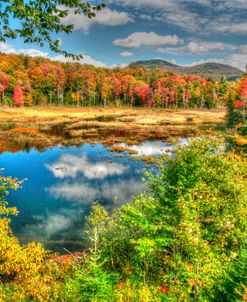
x: 184, y: 32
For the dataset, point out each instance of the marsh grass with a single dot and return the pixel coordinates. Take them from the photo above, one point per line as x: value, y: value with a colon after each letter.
x: 43, y: 127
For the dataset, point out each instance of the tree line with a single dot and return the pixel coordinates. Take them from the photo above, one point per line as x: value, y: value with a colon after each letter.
x: 26, y: 81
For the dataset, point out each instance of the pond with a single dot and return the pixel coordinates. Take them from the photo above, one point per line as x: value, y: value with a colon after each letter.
x: 63, y: 182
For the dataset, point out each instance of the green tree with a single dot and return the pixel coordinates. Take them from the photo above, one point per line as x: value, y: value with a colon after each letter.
x: 189, y: 232
x: 39, y: 19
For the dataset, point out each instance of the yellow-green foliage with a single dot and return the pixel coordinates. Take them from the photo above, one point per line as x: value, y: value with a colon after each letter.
x: 131, y: 292
x: 25, y: 270
x: 189, y: 233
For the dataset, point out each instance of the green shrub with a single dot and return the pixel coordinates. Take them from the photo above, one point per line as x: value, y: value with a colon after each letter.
x: 90, y: 282
x: 234, y: 115
x: 189, y: 232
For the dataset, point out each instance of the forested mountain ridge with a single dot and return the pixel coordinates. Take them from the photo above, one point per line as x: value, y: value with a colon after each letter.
x: 205, y: 70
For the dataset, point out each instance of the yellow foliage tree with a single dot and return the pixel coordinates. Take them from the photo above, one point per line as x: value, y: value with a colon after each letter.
x: 26, y: 271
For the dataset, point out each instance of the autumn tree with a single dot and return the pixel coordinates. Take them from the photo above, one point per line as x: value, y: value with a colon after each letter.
x: 18, y: 96
x: 49, y: 81
x: 106, y: 91
x: 4, y: 82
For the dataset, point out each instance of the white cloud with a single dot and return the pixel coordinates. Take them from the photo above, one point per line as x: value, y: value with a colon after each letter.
x: 127, y: 54
x: 176, y: 12
x: 235, y: 60
x: 205, y: 47
x: 88, y: 60
x: 199, y: 47
x: 162, y: 4
x: 70, y: 166
x: 6, y: 48
x: 230, y: 28
x: 233, y: 4
x: 33, y: 52
x: 9, y: 49
x: 106, y: 17
x: 147, y: 39
x: 145, y: 17
x: 173, y: 61
x: 242, y: 49
x: 121, y: 65
x: 222, y: 16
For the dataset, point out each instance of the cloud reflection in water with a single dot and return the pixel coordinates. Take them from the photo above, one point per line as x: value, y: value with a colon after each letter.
x: 155, y: 148
x: 85, y: 192
x: 71, y: 165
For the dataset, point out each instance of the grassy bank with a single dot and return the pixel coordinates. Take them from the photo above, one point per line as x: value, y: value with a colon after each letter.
x: 23, y: 128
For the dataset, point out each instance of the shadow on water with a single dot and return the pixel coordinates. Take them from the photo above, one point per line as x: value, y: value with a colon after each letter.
x: 58, y: 130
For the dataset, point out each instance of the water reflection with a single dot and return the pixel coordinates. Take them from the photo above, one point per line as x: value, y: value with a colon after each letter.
x: 69, y: 165
x: 85, y: 193
x: 61, y: 187
x: 150, y: 148
x: 54, y: 227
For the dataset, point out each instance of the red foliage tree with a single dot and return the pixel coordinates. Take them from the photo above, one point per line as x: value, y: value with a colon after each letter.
x: 4, y: 83
x: 18, y: 96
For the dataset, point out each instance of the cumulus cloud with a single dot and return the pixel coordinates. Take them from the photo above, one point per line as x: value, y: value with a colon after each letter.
x: 230, y: 28
x: 147, y: 39
x: 121, y: 65
x: 6, y: 48
x: 205, y: 47
x: 175, y: 12
x: 235, y: 60
x: 106, y: 17
x: 242, y: 49
x: 162, y: 4
x: 70, y: 166
x: 88, y: 60
x: 127, y: 54
x: 203, y: 16
x: 199, y: 47
x: 236, y: 57
x: 173, y: 61
x: 33, y: 52
x: 9, y: 49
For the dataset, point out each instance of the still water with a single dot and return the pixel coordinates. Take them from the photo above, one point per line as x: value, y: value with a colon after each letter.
x: 63, y: 182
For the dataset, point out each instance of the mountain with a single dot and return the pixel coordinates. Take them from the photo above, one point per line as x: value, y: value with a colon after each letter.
x: 205, y: 70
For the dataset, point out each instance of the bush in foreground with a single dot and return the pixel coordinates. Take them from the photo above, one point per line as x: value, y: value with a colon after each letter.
x: 186, y: 239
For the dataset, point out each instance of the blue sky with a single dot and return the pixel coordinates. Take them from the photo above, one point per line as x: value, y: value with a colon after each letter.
x: 185, y: 32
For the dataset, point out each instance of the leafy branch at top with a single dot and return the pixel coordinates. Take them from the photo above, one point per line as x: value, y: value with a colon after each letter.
x: 37, y: 20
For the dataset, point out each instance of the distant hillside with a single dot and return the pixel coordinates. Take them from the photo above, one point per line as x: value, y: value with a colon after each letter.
x: 205, y: 70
